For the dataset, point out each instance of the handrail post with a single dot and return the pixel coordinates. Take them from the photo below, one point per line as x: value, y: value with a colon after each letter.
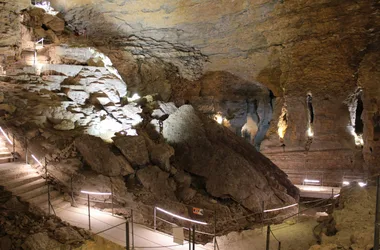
x: 89, y: 215
x: 14, y: 147
x: 49, y: 204
x: 193, y: 237
x: 377, y: 215
x: 127, y: 235
x: 26, y: 151
x: 279, y: 245
x: 112, y: 198
x: 72, y: 191
x: 268, y: 237
x: 133, y: 236
x: 214, y: 229
x: 155, y: 219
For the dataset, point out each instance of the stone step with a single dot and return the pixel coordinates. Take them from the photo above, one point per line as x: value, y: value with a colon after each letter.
x: 21, y: 181
x: 43, y: 197
x: 19, y: 170
x: 5, y: 154
x: 29, y: 186
x: 6, y: 159
x: 43, y: 190
x: 57, y: 203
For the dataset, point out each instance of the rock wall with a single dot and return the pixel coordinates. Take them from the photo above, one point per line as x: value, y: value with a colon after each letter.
x: 10, y: 23
x: 369, y: 77
x: 291, y: 48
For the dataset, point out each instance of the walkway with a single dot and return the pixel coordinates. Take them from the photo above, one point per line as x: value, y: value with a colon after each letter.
x: 322, y: 192
x: 144, y: 237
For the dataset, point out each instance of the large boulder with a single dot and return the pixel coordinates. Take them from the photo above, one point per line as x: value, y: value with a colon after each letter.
x: 53, y: 22
x: 99, y: 155
x: 160, y: 155
x: 133, y: 148
x: 157, y: 181
x: 207, y: 149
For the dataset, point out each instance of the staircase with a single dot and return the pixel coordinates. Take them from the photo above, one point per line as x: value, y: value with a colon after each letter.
x: 5, y: 154
x: 24, y: 181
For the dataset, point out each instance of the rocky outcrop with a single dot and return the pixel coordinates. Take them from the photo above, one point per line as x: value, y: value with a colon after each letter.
x: 25, y: 227
x: 99, y: 155
x: 207, y: 150
x: 352, y: 219
x: 133, y: 148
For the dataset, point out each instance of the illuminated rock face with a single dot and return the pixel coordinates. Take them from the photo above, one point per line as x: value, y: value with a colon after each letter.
x: 291, y: 48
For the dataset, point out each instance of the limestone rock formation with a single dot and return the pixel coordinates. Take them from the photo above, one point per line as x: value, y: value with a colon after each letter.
x: 133, y: 148
x: 101, y: 158
x: 205, y: 149
x: 23, y: 226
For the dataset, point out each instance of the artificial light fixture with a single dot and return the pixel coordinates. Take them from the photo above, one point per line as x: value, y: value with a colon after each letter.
x: 280, y: 208
x: 6, y: 136
x: 362, y: 184
x: 94, y: 193
x: 180, y: 217
x: 346, y: 183
x: 310, y: 181
x: 35, y: 158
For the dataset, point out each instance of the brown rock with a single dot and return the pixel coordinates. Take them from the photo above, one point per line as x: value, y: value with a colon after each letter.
x: 54, y: 23
x: 157, y: 181
x: 160, y: 154
x: 133, y: 148
x: 99, y: 156
x: 67, y: 235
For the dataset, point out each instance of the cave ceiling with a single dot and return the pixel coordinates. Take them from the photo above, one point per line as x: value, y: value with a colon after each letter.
x: 291, y: 46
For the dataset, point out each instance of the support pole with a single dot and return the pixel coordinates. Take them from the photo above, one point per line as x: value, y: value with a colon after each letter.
x: 377, y: 215
x: 299, y: 210
x: 72, y: 191
x: 112, y: 198
x: 13, y: 147
x: 26, y: 151
x: 193, y: 237
x: 279, y: 245
x: 189, y: 238
x: 155, y: 219
x: 49, y: 204
x: 262, y: 215
x: 268, y: 237
x: 214, y: 229
x: 89, y: 215
x: 127, y: 235
x: 133, y: 235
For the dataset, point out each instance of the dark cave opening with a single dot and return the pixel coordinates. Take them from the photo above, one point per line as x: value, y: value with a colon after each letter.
x: 359, y: 126
x: 309, y: 101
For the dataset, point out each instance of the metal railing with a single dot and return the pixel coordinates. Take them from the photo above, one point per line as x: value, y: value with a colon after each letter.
x: 11, y: 139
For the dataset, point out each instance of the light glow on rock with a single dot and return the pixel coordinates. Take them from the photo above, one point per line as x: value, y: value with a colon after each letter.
x: 310, y: 132
x: 134, y: 97
x: 346, y: 183
x: 218, y: 118
x: 46, y: 6
x: 282, y: 124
